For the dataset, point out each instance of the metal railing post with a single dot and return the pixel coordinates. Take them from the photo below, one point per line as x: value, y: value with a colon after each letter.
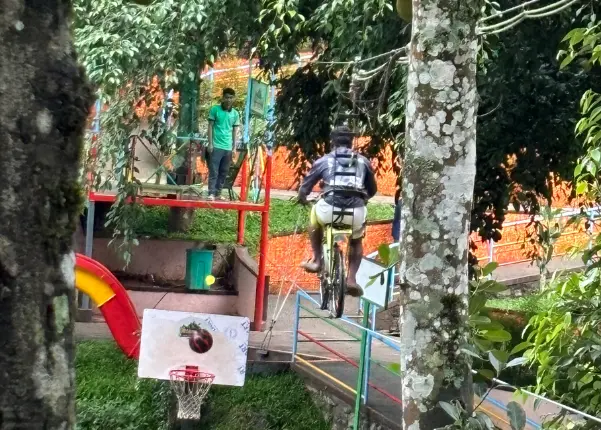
x: 296, y: 324
x: 361, y: 369
x: 368, y: 355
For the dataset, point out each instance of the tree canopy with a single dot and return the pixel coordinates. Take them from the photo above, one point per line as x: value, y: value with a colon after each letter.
x: 528, y: 107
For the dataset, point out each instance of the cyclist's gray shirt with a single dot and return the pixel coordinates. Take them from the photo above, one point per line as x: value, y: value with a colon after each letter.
x: 348, y: 178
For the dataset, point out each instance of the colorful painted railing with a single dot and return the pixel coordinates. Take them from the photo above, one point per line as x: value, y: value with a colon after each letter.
x: 368, y: 333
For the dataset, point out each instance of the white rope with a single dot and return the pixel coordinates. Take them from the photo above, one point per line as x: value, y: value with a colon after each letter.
x: 385, y: 54
x: 540, y: 12
x: 506, y: 11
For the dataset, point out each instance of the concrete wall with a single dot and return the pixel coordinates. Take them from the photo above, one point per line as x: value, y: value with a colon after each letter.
x: 245, y: 279
x: 163, y: 259
x: 203, y: 303
x: 166, y: 260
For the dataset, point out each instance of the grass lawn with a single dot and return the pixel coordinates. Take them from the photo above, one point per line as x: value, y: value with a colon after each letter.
x: 220, y: 226
x: 110, y: 396
x: 528, y: 305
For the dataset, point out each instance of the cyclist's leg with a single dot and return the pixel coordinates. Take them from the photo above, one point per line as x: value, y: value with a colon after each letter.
x: 315, y: 237
x: 356, y: 250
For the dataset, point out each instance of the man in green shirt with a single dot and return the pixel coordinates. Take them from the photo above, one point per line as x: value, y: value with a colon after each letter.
x: 224, y: 121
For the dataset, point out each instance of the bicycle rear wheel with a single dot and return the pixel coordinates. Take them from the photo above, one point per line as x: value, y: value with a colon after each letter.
x: 338, y: 287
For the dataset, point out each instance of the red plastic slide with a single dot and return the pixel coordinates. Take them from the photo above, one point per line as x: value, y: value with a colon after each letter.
x: 112, y: 299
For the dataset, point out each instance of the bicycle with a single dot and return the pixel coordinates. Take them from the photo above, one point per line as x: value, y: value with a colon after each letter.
x: 332, y: 278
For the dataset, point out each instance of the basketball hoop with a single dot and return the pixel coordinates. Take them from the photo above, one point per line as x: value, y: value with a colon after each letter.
x: 190, y: 387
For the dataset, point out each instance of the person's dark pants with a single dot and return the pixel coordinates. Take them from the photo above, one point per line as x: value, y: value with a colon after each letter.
x: 219, y: 165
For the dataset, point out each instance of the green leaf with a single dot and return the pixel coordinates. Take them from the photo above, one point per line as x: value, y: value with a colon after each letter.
x: 495, y: 362
x: 492, y: 287
x: 470, y: 353
x: 520, y: 347
x: 384, y: 253
x: 581, y: 187
x: 451, y: 410
x: 489, y: 268
x: 482, y: 344
x: 480, y: 389
x: 566, y: 61
x: 502, y: 356
x: 477, y: 302
x: 479, y: 319
x: 497, y: 336
x: 517, y: 416
x: 517, y: 362
x: 487, y: 373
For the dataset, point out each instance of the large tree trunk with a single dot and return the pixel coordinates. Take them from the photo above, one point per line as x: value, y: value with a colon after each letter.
x: 44, y: 101
x: 438, y: 183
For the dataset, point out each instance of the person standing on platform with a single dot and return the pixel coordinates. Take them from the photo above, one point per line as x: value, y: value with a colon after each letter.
x: 224, y: 121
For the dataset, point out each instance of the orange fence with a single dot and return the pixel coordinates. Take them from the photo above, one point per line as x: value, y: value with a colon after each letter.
x: 287, y: 252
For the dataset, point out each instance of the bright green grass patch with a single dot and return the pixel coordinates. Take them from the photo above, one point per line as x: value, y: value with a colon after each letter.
x: 268, y: 402
x: 220, y: 226
x: 110, y: 396
x: 528, y: 305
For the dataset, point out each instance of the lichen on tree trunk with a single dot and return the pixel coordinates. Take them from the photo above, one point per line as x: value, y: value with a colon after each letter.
x: 438, y: 182
x: 44, y: 103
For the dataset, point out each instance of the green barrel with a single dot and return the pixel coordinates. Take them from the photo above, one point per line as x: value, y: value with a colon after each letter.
x: 199, y: 263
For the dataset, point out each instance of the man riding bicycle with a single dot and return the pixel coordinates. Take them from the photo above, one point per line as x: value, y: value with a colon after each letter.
x: 349, y: 182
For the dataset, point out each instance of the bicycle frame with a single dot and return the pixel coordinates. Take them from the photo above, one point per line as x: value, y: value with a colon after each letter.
x: 332, y: 238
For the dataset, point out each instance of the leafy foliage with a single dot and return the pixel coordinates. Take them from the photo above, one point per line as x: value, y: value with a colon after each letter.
x: 566, y: 338
x: 490, y: 345
x: 317, y: 96
x: 548, y: 228
x: 566, y: 343
x: 124, y: 47
x: 589, y: 128
x: 463, y: 420
x: 528, y: 108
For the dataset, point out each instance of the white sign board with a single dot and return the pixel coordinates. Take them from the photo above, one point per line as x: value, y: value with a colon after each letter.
x: 379, y: 292
x: 165, y: 345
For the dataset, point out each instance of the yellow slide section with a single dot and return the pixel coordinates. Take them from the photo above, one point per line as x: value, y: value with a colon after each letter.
x: 99, y: 290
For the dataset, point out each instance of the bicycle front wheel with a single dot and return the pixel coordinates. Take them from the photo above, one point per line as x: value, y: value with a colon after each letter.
x: 338, y: 289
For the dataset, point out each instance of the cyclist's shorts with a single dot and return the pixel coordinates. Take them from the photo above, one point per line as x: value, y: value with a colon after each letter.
x: 322, y: 214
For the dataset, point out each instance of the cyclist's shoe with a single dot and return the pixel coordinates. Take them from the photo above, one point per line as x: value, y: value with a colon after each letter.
x: 353, y: 290
x: 311, y: 266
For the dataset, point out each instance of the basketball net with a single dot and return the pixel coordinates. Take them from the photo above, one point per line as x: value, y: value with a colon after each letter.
x: 190, y: 387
